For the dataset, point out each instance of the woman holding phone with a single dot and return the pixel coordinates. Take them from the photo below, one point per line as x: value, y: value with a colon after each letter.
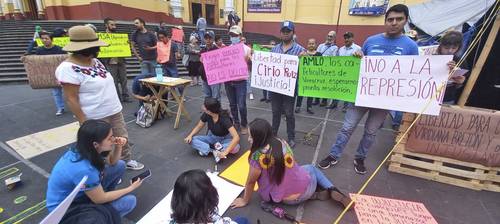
x: 96, y: 155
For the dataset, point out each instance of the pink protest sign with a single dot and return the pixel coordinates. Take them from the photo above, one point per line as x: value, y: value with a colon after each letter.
x: 177, y: 35
x: 225, y: 64
x: 377, y: 210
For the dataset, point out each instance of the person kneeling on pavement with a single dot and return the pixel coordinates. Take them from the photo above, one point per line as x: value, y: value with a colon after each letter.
x: 222, y: 137
x: 96, y: 155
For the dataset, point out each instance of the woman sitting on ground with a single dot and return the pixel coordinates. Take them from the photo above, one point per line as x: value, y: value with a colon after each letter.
x: 222, y: 137
x: 280, y: 178
x: 195, y: 200
x: 92, y: 156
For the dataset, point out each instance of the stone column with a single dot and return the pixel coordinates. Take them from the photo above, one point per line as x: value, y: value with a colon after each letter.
x: 41, y: 9
x: 177, y: 9
x: 18, y: 14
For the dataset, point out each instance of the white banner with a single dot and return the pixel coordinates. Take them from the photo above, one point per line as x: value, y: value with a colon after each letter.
x: 403, y: 83
x: 275, y: 72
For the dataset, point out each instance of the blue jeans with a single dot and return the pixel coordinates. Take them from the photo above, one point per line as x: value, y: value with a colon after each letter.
x: 57, y: 93
x: 148, y: 67
x: 397, y: 118
x: 112, y: 174
x: 317, y: 179
x: 236, y: 92
x: 211, y: 90
x: 241, y: 220
x: 249, y: 88
x: 354, y: 114
x: 202, y: 142
x: 170, y: 70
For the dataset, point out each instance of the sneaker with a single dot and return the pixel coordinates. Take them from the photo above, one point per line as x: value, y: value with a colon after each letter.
x: 251, y: 96
x: 59, y: 112
x: 327, y: 162
x: 340, y: 197
x: 359, y: 166
x: 297, y: 110
x: 134, y: 165
x: 244, y: 130
x: 268, y: 101
x: 263, y: 99
x: 201, y: 154
x: 292, y: 143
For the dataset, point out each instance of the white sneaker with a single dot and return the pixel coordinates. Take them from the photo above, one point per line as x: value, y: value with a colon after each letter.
x: 251, y: 96
x: 59, y: 112
x: 134, y: 165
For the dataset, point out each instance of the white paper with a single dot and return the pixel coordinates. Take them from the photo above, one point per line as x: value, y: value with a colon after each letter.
x: 403, y: 83
x: 57, y: 214
x: 275, y: 72
x: 160, y: 213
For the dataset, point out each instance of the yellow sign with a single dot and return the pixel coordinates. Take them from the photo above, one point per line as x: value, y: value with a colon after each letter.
x: 119, y: 46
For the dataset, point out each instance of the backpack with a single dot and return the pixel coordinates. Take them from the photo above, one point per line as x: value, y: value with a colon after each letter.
x: 145, y: 115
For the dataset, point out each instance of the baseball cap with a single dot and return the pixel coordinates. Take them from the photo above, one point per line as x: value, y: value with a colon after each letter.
x: 288, y: 24
x: 235, y: 30
x: 348, y: 35
x: 209, y: 33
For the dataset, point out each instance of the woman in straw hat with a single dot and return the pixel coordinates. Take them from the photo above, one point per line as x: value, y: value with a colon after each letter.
x: 89, y: 88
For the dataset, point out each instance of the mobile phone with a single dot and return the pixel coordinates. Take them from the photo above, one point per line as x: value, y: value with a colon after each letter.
x: 143, y: 175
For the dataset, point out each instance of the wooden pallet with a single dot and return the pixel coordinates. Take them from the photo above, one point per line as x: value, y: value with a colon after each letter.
x: 492, y: 182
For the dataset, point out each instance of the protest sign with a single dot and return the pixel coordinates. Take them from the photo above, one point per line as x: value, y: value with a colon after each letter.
x: 225, y: 64
x: 118, y: 44
x: 257, y: 47
x: 377, y: 210
x: 465, y: 134
x: 177, y: 35
x: 403, y: 83
x: 275, y: 72
x: 427, y: 50
x: 41, y: 70
x: 329, y: 77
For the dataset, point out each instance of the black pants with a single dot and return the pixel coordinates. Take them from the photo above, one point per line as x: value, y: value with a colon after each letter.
x: 282, y: 103
x: 309, y: 101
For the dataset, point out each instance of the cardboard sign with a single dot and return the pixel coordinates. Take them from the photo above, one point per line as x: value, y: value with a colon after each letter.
x: 465, y: 134
x: 225, y: 64
x: 403, y: 83
x: 275, y: 72
x: 177, y: 35
x: 377, y: 210
x: 41, y: 70
x: 427, y: 50
x: 329, y: 77
x: 119, y: 45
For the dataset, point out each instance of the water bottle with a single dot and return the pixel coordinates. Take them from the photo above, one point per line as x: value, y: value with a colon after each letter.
x: 159, y: 73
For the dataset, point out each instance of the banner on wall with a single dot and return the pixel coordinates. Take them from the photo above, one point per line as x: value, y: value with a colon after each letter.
x: 267, y: 6
x: 368, y: 7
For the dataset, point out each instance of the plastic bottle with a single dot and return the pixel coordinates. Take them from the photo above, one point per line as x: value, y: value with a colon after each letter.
x: 159, y: 73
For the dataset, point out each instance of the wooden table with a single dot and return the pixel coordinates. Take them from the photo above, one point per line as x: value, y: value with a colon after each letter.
x: 168, y: 85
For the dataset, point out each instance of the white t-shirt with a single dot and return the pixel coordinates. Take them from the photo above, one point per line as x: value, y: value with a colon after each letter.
x: 98, y: 97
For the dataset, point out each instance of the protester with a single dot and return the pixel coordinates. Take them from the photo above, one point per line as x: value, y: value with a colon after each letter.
x: 236, y: 90
x: 89, y: 88
x: 195, y: 200
x: 265, y: 94
x: 96, y: 155
x: 194, y: 64
x: 327, y: 49
x: 450, y: 44
x: 180, y: 45
x: 221, y: 132
x: 347, y: 50
x: 391, y: 42
x: 311, y: 51
x: 209, y: 90
x: 280, y: 178
x: 281, y: 103
x: 145, y: 41
x: 161, y: 26
x: 117, y: 66
x: 201, y: 27
x: 218, y: 41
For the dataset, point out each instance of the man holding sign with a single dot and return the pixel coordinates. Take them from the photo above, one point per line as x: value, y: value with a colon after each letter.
x: 391, y: 42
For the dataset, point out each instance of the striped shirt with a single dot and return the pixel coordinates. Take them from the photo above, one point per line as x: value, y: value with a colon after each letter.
x: 327, y: 49
x: 295, y: 49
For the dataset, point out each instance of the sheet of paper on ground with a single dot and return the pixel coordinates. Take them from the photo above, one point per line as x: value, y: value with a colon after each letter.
x: 160, y: 213
x: 377, y: 210
x: 225, y: 64
x: 35, y: 144
x: 403, y: 83
x: 57, y: 214
x: 275, y: 72
x: 329, y: 77
x: 238, y: 171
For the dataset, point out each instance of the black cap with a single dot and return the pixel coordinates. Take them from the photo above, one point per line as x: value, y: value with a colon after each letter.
x: 348, y: 35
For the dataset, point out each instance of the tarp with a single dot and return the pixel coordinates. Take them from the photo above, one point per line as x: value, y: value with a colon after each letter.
x: 437, y: 16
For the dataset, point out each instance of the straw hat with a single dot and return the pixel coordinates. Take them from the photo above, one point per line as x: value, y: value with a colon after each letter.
x: 81, y: 38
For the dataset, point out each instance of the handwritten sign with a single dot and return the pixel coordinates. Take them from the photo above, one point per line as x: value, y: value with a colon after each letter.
x: 427, y: 50
x: 377, y: 210
x: 275, y: 72
x: 465, y: 134
x: 329, y: 77
x: 118, y: 44
x: 225, y: 64
x: 403, y: 83
x: 177, y: 35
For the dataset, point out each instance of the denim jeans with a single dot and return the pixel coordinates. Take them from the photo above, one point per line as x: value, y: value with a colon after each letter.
x: 202, y: 142
x: 57, y: 93
x: 317, y: 179
x: 148, y: 67
x: 170, y: 70
x: 283, y: 104
x: 112, y: 174
x: 397, y: 117
x: 236, y: 92
x: 211, y: 90
x: 352, y: 117
x: 249, y: 88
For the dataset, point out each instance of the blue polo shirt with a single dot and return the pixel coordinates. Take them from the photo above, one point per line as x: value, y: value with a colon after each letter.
x: 67, y: 174
x: 379, y: 44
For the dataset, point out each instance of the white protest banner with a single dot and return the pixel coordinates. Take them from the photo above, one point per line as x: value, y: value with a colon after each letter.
x: 275, y: 72
x: 403, y: 83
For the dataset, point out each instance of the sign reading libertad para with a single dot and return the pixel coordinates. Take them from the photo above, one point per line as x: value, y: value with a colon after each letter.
x: 275, y: 72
